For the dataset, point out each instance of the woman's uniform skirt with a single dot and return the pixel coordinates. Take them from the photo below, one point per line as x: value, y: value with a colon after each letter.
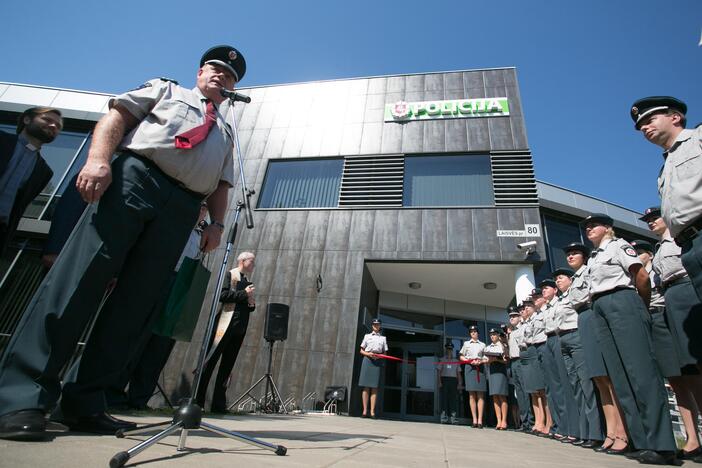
x: 497, y: 375
x: 684, y: 316
x: 594, y: 361
x: 532, y: 370
x: 475, y: 379
x: 370, y: 372
x: 664, y: 348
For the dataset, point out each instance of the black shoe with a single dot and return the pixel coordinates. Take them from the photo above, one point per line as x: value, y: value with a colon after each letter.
x: 219, y: 410
x: 634, y: 454
x: 651, y: 457
x: 364, y: 415
x: 621, y: 451
x: 100, y: 423
x: 23, y: 425
x: 691, y: 455
x: 588, y: 444
x: 578, y: 442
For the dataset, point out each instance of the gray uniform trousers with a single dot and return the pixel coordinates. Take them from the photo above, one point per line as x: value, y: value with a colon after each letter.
x: 136, y: 233
x: 583, y: 388
x: 558, y: 386
x: 548, y: 365
x: 526, y: 416
x: 624, y: 337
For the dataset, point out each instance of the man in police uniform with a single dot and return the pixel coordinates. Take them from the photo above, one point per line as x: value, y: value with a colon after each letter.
x: 526, y: 415
x: 176, y: 151
x: 662, y: 121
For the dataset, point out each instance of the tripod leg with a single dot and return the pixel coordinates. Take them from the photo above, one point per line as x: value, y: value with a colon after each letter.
x: 122, y: 457
x: 246, y: 393
x: 277, y: 393
x: 146, y: 427
x: 181, y: 440
x: 278, y: 449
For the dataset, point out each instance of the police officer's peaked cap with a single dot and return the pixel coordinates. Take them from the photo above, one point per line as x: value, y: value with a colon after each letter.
x: 228, y: 57
x: 547, y: 282
x: 651, y: 214
x: 473, y: 327
x: 512, y: 311
x: 598, y: 218
x: 528, y: 300
x: 520, y: 307
x: 448, y: 345
x: 375, y: 320
x: 495, y: 331
x: 563, y: 271
x: 535, y: 292
x: 652, y: 104
x: 639, y: 244
x: 579, y: 246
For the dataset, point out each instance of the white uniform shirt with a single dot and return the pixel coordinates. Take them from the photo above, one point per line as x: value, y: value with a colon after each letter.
x: 566, y: 316
x: 374, y: 343
x: 535, y: 331
x: 609, y: 266
x: 494, y: 350
x: 579, y: 291
x: 667, y: 261
x: 513, y: 340
x: 657, y: 299
x: 472, y: 349
x: 548, y: 312
x: 679, y: 183
x: 166, y: 110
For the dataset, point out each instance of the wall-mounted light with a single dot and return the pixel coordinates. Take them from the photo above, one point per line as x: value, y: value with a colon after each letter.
x: 490, y: 285
x: 415, y: 285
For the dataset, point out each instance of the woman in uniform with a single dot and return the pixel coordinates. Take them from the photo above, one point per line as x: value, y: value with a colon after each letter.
x: 474, y: 380
x: 533, y: 371
x: 616, y: 440
x: 497, y: 375
x: 683, y: 311
x: 373, y: 343
x: 447, y: 375
x: 616, y: 275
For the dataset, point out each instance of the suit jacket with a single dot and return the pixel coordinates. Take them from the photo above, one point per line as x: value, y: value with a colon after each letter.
x: 40, y: 176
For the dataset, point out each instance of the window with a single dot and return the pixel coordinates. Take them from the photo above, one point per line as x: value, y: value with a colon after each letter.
x: 302, y: 184
x: 461, y: 180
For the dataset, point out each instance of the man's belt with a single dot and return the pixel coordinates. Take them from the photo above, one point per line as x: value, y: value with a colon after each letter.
x: 689, y: 232
x: 566, y: 332
x: 152, y: 165
x: 675, y: 281
x: 538, y: 345
x: 582, y: 308
x: 550, y: 334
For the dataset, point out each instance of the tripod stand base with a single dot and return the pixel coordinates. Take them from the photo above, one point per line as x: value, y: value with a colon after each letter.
x: 188, y: 417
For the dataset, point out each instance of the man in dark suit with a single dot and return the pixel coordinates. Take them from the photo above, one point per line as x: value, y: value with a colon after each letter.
x: 23, y: 172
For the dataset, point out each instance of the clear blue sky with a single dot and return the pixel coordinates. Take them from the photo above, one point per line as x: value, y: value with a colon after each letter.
x: 580, y: 64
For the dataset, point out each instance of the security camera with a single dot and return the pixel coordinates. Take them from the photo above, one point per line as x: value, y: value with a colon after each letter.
x: 527, y: 246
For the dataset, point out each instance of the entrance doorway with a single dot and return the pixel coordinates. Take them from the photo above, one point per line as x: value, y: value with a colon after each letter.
x: 410, y: 391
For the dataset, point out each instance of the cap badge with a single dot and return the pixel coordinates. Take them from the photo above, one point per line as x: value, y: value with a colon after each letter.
x: 232, y: 55
x: 635, y: 110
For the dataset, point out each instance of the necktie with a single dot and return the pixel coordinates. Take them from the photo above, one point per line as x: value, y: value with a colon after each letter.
x: 195, y: 136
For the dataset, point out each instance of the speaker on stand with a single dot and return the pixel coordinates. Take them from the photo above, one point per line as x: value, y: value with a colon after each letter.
x: 275, y: 329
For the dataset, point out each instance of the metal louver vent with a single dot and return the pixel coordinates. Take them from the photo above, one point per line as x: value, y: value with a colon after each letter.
x: 372, y: 181
x: 513, y: 179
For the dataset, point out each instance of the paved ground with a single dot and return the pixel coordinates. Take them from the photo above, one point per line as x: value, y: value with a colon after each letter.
x: 315, y: 441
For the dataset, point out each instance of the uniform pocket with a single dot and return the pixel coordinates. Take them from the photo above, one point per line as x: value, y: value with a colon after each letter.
x: 688, y: 167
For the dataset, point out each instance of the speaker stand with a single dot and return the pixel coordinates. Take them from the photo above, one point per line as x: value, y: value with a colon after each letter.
x: 271, y: 402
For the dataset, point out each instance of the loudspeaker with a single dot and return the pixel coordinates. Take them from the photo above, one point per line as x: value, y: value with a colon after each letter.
x: 276, y: 328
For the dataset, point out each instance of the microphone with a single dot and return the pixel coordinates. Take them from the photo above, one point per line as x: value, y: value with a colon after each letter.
x: 234, y: 96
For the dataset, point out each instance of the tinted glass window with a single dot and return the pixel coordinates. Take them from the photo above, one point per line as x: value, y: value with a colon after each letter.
x: 302, y: 184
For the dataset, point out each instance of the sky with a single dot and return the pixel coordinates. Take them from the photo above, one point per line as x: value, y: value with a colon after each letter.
x: 580, y: 64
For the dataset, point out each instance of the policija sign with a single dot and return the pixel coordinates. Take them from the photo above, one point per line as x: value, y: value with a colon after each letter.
x: 403, y: 111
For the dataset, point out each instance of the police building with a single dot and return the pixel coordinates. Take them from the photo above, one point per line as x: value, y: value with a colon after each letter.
x: 411, y: 198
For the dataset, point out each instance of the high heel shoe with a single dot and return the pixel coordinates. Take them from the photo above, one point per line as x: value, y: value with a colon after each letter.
x: 622, y: 451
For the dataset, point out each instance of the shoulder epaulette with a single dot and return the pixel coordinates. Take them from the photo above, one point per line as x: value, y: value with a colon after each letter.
x: 163, y: 78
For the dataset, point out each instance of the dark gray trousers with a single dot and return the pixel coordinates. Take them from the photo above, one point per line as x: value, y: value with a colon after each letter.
x: 583, y: 388
x: 624, y: 337
x: 526, y: 416
x: 136, y: 234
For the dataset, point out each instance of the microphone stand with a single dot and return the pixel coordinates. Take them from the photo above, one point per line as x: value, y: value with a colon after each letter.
x: 188, y: 416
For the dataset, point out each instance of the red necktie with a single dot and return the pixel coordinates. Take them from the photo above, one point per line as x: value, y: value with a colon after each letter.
x: 197, y: 135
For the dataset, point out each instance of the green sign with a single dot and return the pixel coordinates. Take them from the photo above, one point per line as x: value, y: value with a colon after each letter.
x: 403, y: 111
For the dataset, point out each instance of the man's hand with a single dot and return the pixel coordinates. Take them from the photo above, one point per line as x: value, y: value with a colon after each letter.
x: 93, y: 180
x: 250, y: 289
x: 211, y: 237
